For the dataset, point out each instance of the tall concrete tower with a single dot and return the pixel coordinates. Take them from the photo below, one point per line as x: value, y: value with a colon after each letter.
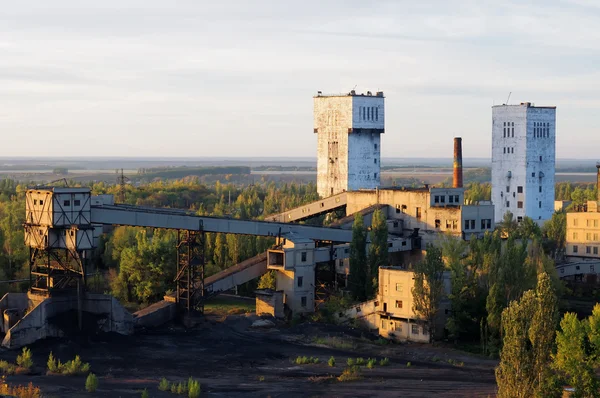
x: 523, y: 160
x: 349, y: 128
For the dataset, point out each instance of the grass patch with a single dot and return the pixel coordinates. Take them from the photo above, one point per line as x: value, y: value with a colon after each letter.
x: 229, y: 306
x: 351, y: 373
x: 454, y: 362
x: 384, y: 362
x: 331, y: 362
x: 91, y: 383
x: 69, y: 368
x: 306, y: 360
x: 335, y: 342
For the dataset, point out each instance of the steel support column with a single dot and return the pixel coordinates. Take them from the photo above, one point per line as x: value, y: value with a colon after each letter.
x: 189, y: 279
x: 56, y: 269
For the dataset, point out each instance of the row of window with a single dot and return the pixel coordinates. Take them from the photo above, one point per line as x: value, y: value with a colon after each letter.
x: 370, y: 113
x: 511, y: 124
x: 486, y: 223
x: 541, y: 132
x: 454, y: 199
x: 509, y: 149
x: 397, y: 326
x: 520, y: 204
x: 508, y: 133
x: 588, y: 249
x: 588, y: 236
x: 66, y: 203
x: 588, y: 223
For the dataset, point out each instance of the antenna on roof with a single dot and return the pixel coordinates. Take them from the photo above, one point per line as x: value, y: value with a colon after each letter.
x: 508, y: 99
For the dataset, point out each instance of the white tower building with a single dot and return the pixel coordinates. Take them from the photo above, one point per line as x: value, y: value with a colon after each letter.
x: 348, y: 127
x: 523, y: 160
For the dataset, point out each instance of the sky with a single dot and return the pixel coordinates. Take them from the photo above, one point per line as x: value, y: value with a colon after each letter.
x: 233, y: 78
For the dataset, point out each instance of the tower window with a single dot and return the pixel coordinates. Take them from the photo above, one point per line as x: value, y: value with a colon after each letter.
x: 375, y: 175
x: 504, y: 149
x: 512, y: 150
x: 533, y: 174
x: 513, y: 132
x: 375, y: 146
x: 364, y: 110
x: 376, y: 114
x: 375, y: 161
x: 507, y: 189
x: 508, y: 203
x: 519, y: 204
x: 540, y: 189
x: 520, y: 189
x: 540, y: 204
x: 504, y: 132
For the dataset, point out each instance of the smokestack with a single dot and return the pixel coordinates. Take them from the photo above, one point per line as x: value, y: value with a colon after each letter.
x: 457, y: 181
x: 598, y: 181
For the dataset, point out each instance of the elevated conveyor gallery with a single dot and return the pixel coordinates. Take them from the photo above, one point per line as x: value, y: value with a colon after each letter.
x: 312, y: 209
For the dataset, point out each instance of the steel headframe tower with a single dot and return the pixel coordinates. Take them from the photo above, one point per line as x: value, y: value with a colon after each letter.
x: 60, y: 237
x: 190, y: 270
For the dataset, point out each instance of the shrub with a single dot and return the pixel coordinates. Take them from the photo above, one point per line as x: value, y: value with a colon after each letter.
x: 306, y: 360
x: 384, y: 362
x: 351, y: 362
x: 331, y: 362
x: 52, y: 365
x: 91, y: 383
x: 7, y: 368
x: 25, y: 360
x: 180, y: 388
x: 194, y: 388
x: 455, y: 362
x: 360, y: 361
x: 174, y: 388
x: 29, y: 391
x: 408, y: 364
x: 163, y: 385
x: 70, y: 368
x: 315, y: 360
x: 145, y: 394
x: 371, y: 362
x: 350, y: 374
x: 435, y: 359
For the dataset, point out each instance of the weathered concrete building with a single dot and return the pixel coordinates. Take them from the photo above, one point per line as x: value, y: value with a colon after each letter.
x: 523, y: 160
x: 348, y: 128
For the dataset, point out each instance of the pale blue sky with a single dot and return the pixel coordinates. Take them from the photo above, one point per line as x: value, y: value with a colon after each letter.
x: 236, y: 78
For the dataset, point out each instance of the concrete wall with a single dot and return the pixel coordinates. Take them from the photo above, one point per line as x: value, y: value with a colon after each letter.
x: 36, y: 325
x: 270, y: 303
x: 517, y: 148
x: 156, y: 314
x: 583, y: 235
x: 364, y: 169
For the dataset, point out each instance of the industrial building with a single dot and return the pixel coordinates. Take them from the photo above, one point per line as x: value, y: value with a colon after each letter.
x: 348, y: 128
x: 523, y: 160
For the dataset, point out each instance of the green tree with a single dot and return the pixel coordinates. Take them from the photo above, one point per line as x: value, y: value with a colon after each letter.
x: 528, y: 328
x: 11, y: 226
x: 508, y: 226
x: 572, y: 358
x: 528, y: 229
x: 554, y: 234
x: 429, y: 287
x: 268, y: 280
x: 378, y: 251
x: 358, y: 259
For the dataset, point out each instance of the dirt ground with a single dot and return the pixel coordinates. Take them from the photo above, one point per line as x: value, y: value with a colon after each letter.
x: 231, y: 359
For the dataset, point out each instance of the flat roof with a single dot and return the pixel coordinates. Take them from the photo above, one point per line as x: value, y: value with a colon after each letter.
x: 61, y: 189
x: 352, y: 93
x: 527, y: 104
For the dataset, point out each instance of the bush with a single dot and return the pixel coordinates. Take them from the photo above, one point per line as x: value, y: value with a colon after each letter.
x: 194, y: 388
x: 350, y: 374
x: 180, y: 388
x: 91, y: 383
x: 25, y: 360
x: 174, y: 388
x: 7, y: 368
x: 384, y: 362
x: 70, y: 368
x: 360, y: 361
x: 52, y: 365
x: 145, y: 394
x: 351, y: 362
x: 331, y: 362
x: 455, y: 362
x: 163, y: 385
x: 408, y: 364
x: 371, y: 362
x: 435, y: 359
x: 306, y: 360
x: 29, y: 391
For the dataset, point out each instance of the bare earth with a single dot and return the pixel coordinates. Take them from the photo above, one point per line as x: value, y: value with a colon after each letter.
x: 230, y: 359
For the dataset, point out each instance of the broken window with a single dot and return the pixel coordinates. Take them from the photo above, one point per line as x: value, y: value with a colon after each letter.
x: 467, y: 224
x: 595, y: 249
x: 415, y: 329
x: 398, y: 303
x: 472, y: 224
x: 41, y: 202
x: 575, y: 248
x: 588, y: 250
x: 520, y: 189
x: 519, y: 219
x: 67, y: 203
x: 436, y: 199
x: 399, y: 287
x: 77, y: 202
x: 418, y: 213
x: 450, y: 199
x: 448, y: 224
x: 443, y: 198
x: 456, y: 198
x: 437, y: 223
x: 519, y: 205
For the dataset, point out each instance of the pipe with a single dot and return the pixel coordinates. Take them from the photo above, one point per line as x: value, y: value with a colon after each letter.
x: 598, y: 181
x: 457, y: 180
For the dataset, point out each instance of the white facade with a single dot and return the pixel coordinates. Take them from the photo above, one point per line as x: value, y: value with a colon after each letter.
x: 349, y: 129
x: 523, y: 161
